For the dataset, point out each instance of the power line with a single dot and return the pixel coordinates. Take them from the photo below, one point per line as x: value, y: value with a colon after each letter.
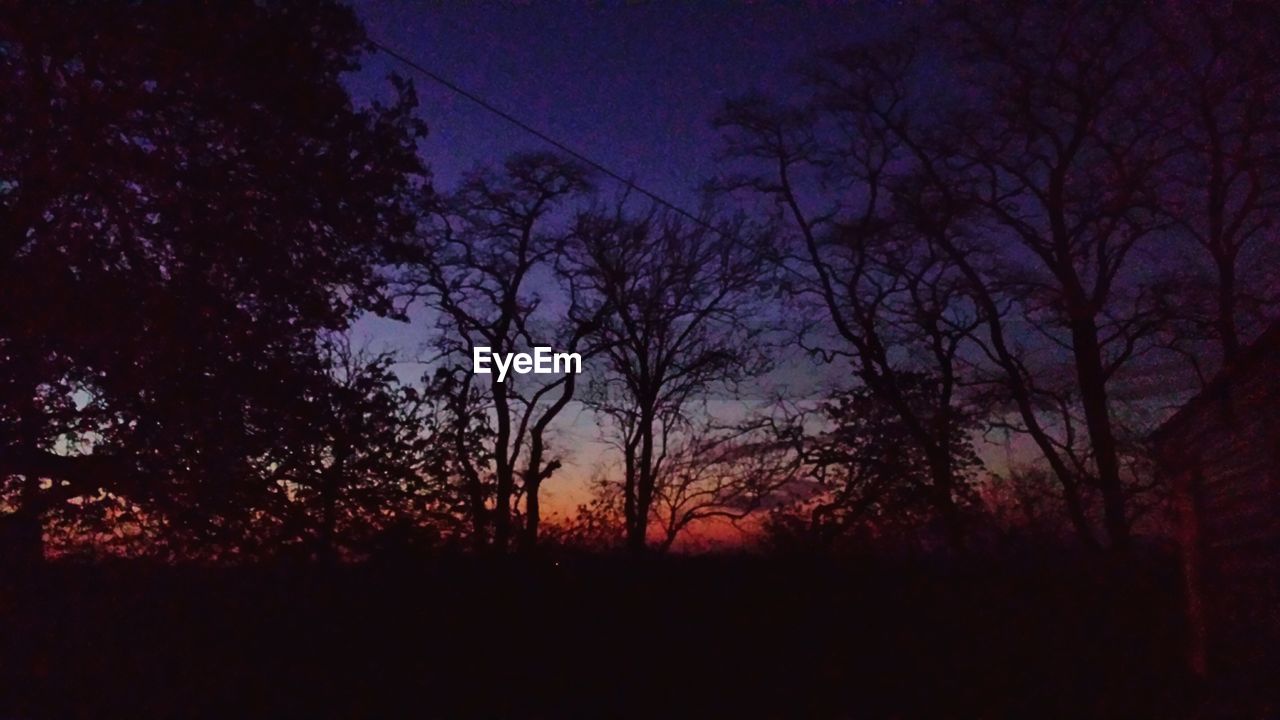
x: 538, y: 133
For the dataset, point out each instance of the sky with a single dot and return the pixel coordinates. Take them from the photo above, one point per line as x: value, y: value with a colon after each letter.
x: 633, y: 86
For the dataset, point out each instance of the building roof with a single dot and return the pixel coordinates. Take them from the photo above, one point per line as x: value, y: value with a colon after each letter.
x: 1249, y: 358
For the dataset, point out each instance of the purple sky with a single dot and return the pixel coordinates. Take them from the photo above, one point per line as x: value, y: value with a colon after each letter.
x: 631, y: 85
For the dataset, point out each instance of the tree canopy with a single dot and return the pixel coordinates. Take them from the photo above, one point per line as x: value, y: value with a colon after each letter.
x: 189, y: 199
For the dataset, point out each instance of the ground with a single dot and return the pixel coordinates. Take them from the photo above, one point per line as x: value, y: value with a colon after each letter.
x: 1040, y: 635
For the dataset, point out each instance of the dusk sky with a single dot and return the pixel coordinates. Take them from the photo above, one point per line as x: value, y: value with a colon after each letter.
x: 888, y: 359
x: 632, y: 86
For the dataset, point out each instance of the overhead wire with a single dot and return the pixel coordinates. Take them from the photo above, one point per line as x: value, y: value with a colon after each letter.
x: 577, y: 155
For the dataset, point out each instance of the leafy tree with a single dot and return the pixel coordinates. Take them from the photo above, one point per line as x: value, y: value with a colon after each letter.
x: 370, y: 454
x: 189, y: 200
x: 463, y: 446
x: 862, y: 473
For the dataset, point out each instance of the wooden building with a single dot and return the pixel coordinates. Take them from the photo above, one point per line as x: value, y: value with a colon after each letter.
x: 1221, y: 454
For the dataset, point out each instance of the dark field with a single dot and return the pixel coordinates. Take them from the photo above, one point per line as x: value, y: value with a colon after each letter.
x: 1045, y: 637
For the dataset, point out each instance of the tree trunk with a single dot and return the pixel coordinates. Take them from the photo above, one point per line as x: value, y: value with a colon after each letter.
x: 1227, y: 332
x: 629, y: 495
x: 1093, y: 397
x: 531, y: 513
x: 325, y: 542
x: 532, y: 485
x: 943, y: 481
x: 479, y: 519
x: 504, y: 467
x: 22, y: 534
x: 638, y: 532
x: 502, y: 511
x: 504, y: 473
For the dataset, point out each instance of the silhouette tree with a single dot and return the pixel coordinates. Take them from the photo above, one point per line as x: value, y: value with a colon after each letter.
x: 677, y: 302
x: 1222, y: 188
x: 597, y: 525
x: 860, y: 473
x: 892, y: 304
x: 463, y: 441
x: 883, y: 88
x: 368, y: 454
x: 725, y: 474
x: 492, y: 254
x: 1064, y: 145
x: 188, y: 200
x: 995, y: 195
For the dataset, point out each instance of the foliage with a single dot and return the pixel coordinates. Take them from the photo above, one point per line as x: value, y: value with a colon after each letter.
x: 189, y: 201
x: 863, y: 474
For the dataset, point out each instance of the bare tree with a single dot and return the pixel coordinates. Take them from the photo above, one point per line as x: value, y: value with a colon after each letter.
x: 679, y: 299
x: 720, y: 474
x: 839, y: 171
x: 940, y: 198
x: 934, y: 198
x: 494, y: 247
x: 1063, y: 154
x: 1223, y: 188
